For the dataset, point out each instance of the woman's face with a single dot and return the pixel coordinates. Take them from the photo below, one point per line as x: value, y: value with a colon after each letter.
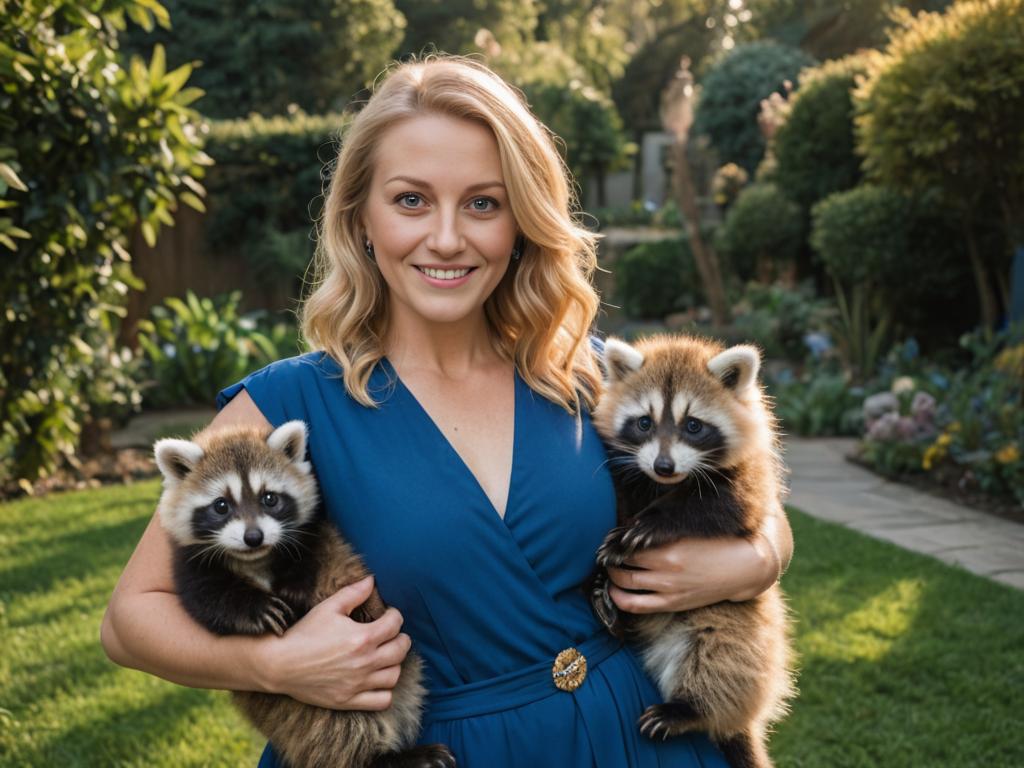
x: 439, y: 219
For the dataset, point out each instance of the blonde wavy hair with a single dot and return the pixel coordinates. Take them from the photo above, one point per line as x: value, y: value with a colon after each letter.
x: 540, y: 314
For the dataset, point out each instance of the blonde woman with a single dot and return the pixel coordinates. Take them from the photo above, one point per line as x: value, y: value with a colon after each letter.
x: 448, y: 408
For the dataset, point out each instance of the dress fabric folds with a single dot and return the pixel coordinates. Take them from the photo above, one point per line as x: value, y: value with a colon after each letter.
x: 489, y: 601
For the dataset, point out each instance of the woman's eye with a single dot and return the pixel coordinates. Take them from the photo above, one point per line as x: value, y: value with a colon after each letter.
x: 644, y: 423
x: 409, y: 200
x: 221, y: 506
x: 484, y: 204
x: 270, y: 499
x: 693, y: 426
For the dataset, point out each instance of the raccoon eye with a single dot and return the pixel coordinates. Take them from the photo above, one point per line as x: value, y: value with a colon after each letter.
x: 644, y: 423
x: 693, y: 426
x: 269, y: 499
x: 221, y: 506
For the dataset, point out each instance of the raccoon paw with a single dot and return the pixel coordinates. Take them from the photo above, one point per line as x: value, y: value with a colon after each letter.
x: 645, y: 533
x: 276, y: 616
x: 662, y: 721
x: 605, y: 609
x: 613, y: 551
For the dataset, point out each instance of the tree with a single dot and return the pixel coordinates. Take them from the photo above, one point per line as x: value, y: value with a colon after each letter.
x: 89, y: 149
x: 942, y: 109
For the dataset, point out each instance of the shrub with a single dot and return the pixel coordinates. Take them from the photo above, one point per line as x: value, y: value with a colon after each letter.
x: 636, y: 214
x: 814, y: 146
x: 197, y: 346
x: 265, y: 190
x: 779, y: 318
x: 895, y: 264
x: 942, y: 109
x: 761, y: 234
x: 655, y: 279
x: 731, y: 95
x: 821, y: 402
x: 90, y: 148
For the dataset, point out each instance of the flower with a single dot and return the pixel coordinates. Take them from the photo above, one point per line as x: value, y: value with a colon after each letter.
x: 1008, y: 454
x: 902, y: 384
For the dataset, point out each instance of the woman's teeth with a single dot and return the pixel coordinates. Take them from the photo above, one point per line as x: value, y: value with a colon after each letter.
x: 444, y: 274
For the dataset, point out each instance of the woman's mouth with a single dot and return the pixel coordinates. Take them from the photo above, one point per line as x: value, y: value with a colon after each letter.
x: 446, y: 277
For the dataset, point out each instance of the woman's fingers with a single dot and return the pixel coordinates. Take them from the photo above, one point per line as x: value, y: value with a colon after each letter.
x: 383, y: 679
x: 631, y: 602
x: 392, y: 652
x: 370, y: 700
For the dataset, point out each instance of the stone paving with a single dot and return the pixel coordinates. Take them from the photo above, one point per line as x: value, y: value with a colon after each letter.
x: 823, y: 484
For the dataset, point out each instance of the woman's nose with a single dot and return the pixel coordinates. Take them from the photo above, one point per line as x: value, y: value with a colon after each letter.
x: 446, y: 237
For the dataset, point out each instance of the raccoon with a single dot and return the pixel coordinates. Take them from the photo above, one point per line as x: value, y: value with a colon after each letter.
x: 252, y: 556
x: 694, y: 452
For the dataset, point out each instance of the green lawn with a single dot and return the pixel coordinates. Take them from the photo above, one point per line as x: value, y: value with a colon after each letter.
x: 904, y: 661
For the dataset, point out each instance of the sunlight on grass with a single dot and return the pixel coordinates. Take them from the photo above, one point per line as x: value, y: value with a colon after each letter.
x: 869, y: 631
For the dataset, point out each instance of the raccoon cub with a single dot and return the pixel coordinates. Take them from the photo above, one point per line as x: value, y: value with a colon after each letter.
x: 694, y: 453
x: 251, y: 556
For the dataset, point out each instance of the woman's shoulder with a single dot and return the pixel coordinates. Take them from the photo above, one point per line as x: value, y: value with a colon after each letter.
x: 276, y: 386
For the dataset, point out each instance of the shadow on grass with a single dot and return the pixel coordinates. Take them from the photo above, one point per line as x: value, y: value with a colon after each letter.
x: 904, y: 661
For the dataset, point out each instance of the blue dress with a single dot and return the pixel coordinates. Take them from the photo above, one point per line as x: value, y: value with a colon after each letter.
x: 488, y: 601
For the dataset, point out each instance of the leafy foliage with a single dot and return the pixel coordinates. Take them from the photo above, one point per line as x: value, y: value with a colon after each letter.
x: 731, y: 96
x: 761, y: 234
x: 262, y: 57
x: 90, y: 147
x: 814, y: 147
x: 265, y: 190
x: 197, y: 346
x: 654, y: 279
x: 895, y: 262
x: 779, y: 318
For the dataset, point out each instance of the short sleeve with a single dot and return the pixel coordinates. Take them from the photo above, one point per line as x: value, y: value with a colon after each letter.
x: 275, y: 389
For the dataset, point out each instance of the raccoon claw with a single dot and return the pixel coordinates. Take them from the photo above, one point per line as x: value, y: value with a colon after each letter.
x: 662, y: 721
x: 613, y: 551
x: 644, y: 534
x: 604, y: 607
x: 276, y: 617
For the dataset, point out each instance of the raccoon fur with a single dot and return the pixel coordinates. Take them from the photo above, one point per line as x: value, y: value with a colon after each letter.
x: 694, y: 453
x: 252, y: 556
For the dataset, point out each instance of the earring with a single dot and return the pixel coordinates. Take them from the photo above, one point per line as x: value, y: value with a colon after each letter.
x: 517, y: 250
x: 368, y: 249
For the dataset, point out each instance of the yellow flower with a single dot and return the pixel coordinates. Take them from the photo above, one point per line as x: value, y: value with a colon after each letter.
x: 1011, y: 360
x: 1008, y: 454
x: 944, y: 439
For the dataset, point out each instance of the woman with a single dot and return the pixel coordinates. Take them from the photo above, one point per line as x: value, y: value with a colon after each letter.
x: 449, y: 428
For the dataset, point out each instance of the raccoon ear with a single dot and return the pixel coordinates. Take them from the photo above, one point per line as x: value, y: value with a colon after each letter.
x: 737, y: 367
x: 176, y: 458
x: 290, y: 438
x: 620, y: 359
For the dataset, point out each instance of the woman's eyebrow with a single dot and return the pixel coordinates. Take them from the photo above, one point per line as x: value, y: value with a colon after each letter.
x: 427, y: 185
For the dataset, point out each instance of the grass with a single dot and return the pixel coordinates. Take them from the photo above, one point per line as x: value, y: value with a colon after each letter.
x: 904, y: 661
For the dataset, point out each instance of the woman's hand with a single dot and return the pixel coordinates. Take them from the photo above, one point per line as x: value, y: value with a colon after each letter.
x: 692, y: 573
x: 330, y: 660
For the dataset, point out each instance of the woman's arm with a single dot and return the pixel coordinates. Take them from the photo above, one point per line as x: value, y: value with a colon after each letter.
x: 692, y: 573
x: 325, y: 659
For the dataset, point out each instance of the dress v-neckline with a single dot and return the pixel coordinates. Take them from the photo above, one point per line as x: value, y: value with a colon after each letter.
x: 439, y: 433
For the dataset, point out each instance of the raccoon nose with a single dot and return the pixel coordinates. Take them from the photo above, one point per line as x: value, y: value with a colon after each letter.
x: 253, y: 537
x: 664, y: 466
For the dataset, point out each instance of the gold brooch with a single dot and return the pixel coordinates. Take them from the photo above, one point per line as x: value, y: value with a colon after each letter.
x: 569, y: 670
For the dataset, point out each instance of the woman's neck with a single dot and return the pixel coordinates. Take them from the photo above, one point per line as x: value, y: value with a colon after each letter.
x: 452, y: 350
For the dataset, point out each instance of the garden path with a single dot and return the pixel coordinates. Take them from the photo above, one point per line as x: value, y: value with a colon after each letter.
x: 825, y: 485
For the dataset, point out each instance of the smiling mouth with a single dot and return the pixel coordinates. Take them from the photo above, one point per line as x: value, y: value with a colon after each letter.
x: 445, y: 274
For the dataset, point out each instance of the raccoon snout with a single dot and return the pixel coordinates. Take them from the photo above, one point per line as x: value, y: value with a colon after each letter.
x: 664, y: 466
x: 253, y: 537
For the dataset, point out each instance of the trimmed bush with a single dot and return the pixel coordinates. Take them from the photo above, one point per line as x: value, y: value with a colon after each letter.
x: 731, y: 95
x: 814, y: 147
x: 265, y: 190
x: 942, y: 110
x: 655, y: 279
x: 761, y: 234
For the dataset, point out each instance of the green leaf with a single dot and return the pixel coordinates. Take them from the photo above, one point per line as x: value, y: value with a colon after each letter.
x: 7, y: 174
x: 174, y: 80
x: 149, y: 234
x: 192, y: 201
x: 157, y: 65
